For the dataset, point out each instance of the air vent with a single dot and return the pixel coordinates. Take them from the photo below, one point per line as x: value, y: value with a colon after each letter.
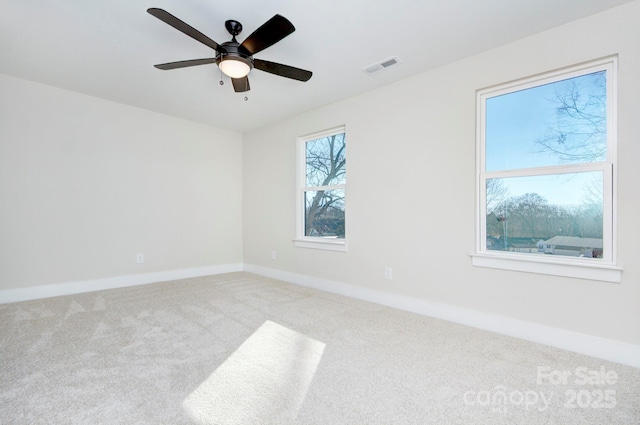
x: 371, y: 69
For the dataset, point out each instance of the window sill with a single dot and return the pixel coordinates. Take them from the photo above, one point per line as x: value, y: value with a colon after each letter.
x: 325, y: 244
x: 550, y: 266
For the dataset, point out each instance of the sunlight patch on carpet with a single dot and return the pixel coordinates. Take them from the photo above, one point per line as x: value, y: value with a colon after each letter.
x: 264, y: 381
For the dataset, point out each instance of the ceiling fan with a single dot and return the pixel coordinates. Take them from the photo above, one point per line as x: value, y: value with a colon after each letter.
x: 236, y: 59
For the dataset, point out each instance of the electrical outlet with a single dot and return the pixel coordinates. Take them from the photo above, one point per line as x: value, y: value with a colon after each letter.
x: 388, y: 273
x: 273, y: 255
x: 140, y: 258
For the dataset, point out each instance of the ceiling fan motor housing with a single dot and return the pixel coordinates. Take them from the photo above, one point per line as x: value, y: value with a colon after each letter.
x: 233, y: 50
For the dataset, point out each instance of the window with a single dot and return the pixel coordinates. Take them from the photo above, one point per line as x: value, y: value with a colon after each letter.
x: 546, y: 182
x: 322, y: 179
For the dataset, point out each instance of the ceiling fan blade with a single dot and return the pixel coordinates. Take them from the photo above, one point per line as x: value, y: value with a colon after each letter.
x: 184, y: 64
x: 240, y: 84
x: 181, y: 26
x: 272, y: 31
x: 282, y: 70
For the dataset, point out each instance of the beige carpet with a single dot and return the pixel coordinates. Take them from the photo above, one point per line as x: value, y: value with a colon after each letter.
x: 242, y: 349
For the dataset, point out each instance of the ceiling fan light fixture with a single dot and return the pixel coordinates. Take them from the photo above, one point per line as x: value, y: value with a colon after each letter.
x: 234, y: 67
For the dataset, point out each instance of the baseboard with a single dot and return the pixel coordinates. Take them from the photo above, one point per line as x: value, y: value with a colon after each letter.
x: 77, y: 287
x: 606, y: 349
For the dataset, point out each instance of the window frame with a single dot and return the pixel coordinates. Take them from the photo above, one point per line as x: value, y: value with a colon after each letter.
x: 604, y: 269
x: 314, y: 242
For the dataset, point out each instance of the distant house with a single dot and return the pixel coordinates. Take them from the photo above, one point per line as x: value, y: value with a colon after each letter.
x: 514, y: 244
x: 495, y: 243
x: 573, y: 246
x: 522, y: 244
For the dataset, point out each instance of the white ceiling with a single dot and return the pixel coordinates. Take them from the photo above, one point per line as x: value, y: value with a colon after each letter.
x: 107, y: 48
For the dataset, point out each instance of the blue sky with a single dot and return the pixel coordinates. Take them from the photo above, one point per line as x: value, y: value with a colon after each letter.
x: 515, y: 121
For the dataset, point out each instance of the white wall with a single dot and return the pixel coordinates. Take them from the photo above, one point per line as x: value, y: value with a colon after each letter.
x: 86, y: 184
x: 411, y: 180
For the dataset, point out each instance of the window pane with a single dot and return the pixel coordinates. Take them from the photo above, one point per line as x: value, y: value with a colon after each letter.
x: 324, y: 213
x: 559, y: 214
x: 326, y: 164
x: 558, y: 123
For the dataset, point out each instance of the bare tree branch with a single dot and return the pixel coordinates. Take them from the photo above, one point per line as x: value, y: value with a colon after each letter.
x: 579, y: 132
